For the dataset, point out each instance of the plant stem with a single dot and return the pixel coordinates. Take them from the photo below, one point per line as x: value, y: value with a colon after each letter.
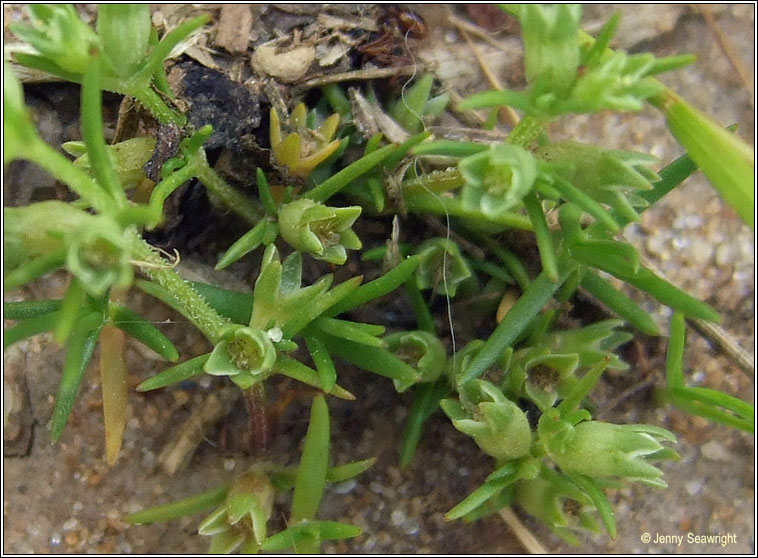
x: 228, y: 196
x: 194, y: 305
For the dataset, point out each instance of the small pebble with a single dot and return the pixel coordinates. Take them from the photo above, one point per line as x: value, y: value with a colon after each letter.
x: 694, y: 487
x: 397, y: 517
x: 345, y: 487
x: 715, y: 451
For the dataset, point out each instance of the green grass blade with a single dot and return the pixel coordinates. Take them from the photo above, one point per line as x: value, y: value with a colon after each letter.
x: 408, y: 109
x: 727, y: 161
x: 599, y: 499
x: 34, y: 269
x: 670, y: 295
x: 264, y: 193
x: 347, y: 471
x: 681, y: 398
x: 318, y: 306
x: 574, y: 195
x: 349, y: 331
x: 478, y: 497
x: 449, y: 148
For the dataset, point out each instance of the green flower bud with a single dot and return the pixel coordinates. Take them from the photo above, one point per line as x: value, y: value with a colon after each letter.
x: 98, y: 251
x: 602, y: 449
x: 610, y: 176
x: 242, y: 518
x: 245, y: 355
x: 125, y: 32
x: 99, y: 255
x: 541, y: 377
x: 59, y: 35
x: 421, y: 350
x: 321, y: 231
x: 559, y: 503
x: 303, y: 149
x: 496, y: 424
x: 442, y: 267
x: 497, y: 179
x: 591, y: 343
x: 551, y: 44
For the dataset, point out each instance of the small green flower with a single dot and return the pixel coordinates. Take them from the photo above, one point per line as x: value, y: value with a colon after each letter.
x: 442, y: 267
x: 324, y: 232
x: 497, y: 179
x: 420, y: 349
x: 551, y: 44
x: 59, y: 35
x: 99, y: 255
x: 559, y: 503
x: 591, y: 343
x: 540, y: 376
x: 496, y: 424
x: 125, y: 33
x: 241, y: 520
x: 303, y: 149
x: 610, y: 176
x: 602, y: 449
x: 245, y: 354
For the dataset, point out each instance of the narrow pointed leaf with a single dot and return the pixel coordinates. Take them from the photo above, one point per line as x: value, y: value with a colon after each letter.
x: 113, y: 374
x: 30, y: 327
x: 143, y: 331
x: 26, y: 309
x: 180, y: 508
x: 179, y: 373
x: 311, y: 473
x: 80, y: 347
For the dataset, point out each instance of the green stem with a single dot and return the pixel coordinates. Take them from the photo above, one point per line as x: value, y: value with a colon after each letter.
x: 75, y: 178
x: 154, y: 103
x: 542, y: 233
x: 192, y: 304
x: 92, y: 132
x: 228, y: 196
x: 427, y: 202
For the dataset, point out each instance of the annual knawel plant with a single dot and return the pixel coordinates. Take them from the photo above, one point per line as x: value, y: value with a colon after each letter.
x: 522, y: 393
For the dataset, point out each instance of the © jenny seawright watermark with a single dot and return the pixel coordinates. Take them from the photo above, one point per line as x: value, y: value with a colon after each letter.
x: 689, y: 538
